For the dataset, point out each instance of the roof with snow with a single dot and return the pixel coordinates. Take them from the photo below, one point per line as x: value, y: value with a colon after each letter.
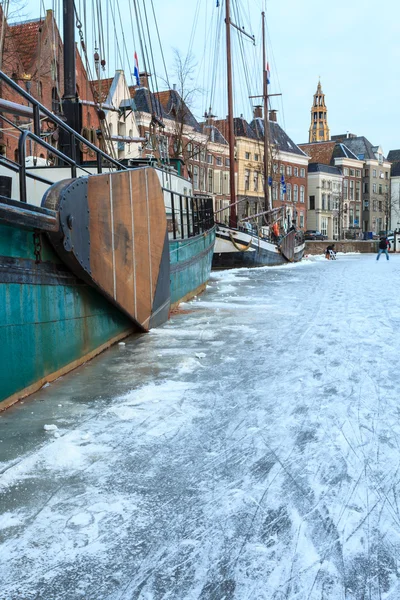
x: 362, y: 148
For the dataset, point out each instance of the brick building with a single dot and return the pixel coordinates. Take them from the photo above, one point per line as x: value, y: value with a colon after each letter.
x: 33, y: 57
x: 335, y: 200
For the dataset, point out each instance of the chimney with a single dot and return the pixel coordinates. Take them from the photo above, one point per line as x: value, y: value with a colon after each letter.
x: 144, y: 79
x: 272, y: 115
x: 258, y: 112
x: 174, y: 87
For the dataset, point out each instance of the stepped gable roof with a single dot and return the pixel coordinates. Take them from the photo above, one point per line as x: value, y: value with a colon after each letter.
x: 175, y: 107
x: 213, y: 133
x: 26, y: 37
x: 322, y: 168
x: 362, y: 147
x: 394, y: 155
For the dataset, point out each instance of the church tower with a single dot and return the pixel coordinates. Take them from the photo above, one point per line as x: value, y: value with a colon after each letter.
x: 319, y: 130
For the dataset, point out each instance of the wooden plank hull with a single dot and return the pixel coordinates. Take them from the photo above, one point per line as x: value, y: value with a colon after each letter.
x: 236, y: 249
x: 190, y: 265
x: 113, y: 235
x: 50, y: 321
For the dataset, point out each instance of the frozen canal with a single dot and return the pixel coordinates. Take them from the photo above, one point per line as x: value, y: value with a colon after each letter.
x: 248, y: 450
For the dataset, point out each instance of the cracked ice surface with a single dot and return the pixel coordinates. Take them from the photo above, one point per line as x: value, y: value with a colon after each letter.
x: 249, y: 449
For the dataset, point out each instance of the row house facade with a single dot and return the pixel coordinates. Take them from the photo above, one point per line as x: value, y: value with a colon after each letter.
x: 343, y: 218
x: 376, y: 194
x: 325, y: 186
x: 33, y: 57
x: 394, y: 158
x: 287, y: 167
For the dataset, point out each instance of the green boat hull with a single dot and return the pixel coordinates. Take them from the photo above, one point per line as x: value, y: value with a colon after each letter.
x: 190, y: 265
x: 50, y: 321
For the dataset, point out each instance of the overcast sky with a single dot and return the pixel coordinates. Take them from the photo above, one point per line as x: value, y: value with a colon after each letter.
x: 353, y: 45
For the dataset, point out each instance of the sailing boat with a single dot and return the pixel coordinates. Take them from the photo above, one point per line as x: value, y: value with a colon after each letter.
x: 245, y: 243
x: 92, y: 263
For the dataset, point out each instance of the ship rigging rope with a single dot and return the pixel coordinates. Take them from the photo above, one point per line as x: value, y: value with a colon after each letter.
x: 161, y: 48
x: 238, y: 247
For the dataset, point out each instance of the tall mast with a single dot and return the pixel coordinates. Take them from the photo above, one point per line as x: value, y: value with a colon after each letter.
x: 267, y: 196
x: 71, y: 107
x: 231, y: 132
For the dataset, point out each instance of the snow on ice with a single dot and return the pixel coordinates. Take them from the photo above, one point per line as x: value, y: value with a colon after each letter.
x: 249, y: 450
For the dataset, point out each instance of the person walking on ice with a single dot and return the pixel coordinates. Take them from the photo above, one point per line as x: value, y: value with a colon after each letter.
x: 384, y: 244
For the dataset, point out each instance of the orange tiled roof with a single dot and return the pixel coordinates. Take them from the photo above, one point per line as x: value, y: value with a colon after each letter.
x: 105, y: 85
x: 26, y: 38
x: 320, y: 152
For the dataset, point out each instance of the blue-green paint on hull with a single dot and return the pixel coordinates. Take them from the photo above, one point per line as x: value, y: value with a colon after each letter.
x: 191, y: 261
x: 46, y: 326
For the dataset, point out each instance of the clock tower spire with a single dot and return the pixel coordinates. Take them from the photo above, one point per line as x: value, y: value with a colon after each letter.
x: 319, y: 130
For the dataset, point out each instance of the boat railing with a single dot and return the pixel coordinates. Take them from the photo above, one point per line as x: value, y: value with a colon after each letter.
x: 188, y: 216
x: 37, y: 111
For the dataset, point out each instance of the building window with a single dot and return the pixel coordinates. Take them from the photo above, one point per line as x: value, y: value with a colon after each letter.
x: 351, y: 217
x: 302, y: 172
x: 274, y: 191
x: 219, y: 161
x: 380, y: 205
x: 227, y: 162
x: 210, y: 159
x: 324, y: 226
x: 247, y: 155
x: 373, y: 172
x: 282, y: 169
x: 345, y: 171
x: 312, y: 202
x: 352, y: 172
x: 329, y: 202
x: 281, y: 193
x: 275, y: 168
x: 255, y: 181
x: 323, y: 201
x: 296, y: 172
x: 380, y: 189
x: 301, y: 222
x: 295, y: 193
x: 246, y: 180
x: 358, y: 197
x: 202, y: 156
x: 202, y: 180
x: 366, y: 187
x: 288, y: 170
x: 196, y: 177
x: 374, y: 188
x: 210, y: 181
x: 323, y: 184
x: 345, y: 189
x: 302, y: 190
x: 351, y: 189
x: 358, y: 173
x: 386, y: 175
x: 289, y: 192
x: 256, y: 157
